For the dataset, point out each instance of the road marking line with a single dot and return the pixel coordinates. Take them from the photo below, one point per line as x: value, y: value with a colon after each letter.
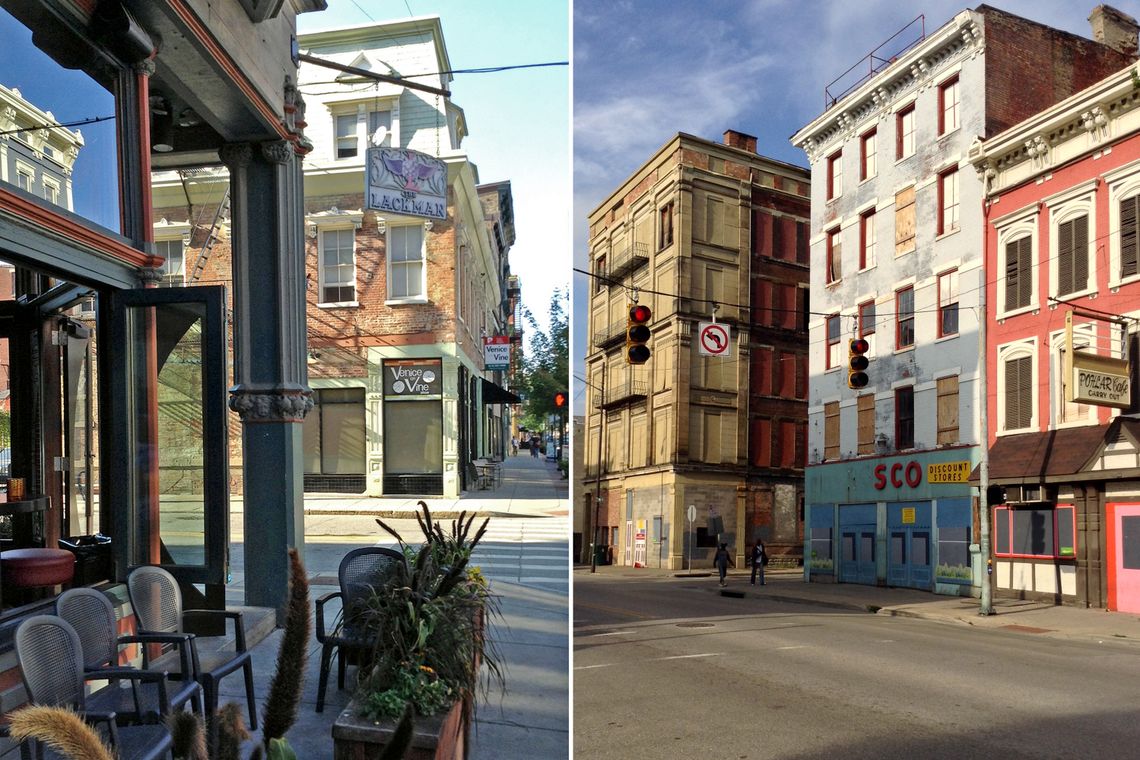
x: 690, y: 656
x: 613, y: 633
x: 797, y: 646
x: 592, y: 667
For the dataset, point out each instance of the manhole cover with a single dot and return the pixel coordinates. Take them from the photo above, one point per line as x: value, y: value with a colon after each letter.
x: 694, y: 625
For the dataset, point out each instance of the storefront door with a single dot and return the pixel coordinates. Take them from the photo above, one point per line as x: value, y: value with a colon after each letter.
x: 908, y: 558
x: 1123, y: 557
x: 857, y: 543
x: 171, y: 465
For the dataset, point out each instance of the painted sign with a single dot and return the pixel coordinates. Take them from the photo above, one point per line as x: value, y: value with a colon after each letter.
x: 497, y: 352
x: 405, y: 181
x: 948, y: 472
x: 713, y: 339
x: 413, y: 377
x: 1094, y: 378
x: 910, y: 473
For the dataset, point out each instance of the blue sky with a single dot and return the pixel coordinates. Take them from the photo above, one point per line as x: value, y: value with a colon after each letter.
x: 645, y: 70
x: 519, y: 121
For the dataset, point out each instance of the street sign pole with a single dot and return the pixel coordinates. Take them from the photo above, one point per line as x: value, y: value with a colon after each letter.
x: 692, y: 515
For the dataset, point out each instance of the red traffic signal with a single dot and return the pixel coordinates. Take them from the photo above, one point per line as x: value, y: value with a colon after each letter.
x: 857, y: 363
x: 560, y: 399
x: 637, y: 334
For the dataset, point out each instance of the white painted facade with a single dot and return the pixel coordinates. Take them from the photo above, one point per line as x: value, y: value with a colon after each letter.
x: 916, y: 80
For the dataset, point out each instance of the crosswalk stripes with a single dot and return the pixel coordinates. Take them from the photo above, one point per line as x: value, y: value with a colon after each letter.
x: 531, y: 551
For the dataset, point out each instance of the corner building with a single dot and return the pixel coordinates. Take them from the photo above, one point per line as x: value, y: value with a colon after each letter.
x: 897, y: 239
x: 700, y: 229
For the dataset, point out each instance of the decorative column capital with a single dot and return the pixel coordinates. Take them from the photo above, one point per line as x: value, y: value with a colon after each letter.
x: 236, y: 155
x: 150, y: 277
x: 145, y: 67
x: 271, y: 403
x: 277, y: 151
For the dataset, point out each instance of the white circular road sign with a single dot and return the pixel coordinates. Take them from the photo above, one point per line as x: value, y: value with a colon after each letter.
x: 713, y: 339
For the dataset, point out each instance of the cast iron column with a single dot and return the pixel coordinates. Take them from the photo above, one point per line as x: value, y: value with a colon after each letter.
x: 271, y: 392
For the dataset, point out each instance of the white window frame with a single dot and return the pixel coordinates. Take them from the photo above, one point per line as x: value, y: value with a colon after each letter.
x: 52, y: 186
x: 25, y: 170
x: 1063, y: 208
x: 1084, y: 336
x: 1010, y: 229
x: 321, y: 281
x: 1005, y: 353
x: 164, y: 232
x: 1122, y: 184
x: 422, y: 297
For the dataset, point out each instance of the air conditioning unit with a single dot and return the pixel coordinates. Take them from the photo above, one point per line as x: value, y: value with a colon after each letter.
x: 1023, y: 493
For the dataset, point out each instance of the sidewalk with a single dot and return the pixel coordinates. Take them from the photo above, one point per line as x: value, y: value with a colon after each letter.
x: 530, y: 486
x: 1015, y: 615
x: 532, y: 718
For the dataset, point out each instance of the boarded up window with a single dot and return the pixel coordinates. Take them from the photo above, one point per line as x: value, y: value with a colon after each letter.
x: 1018, y: 273
x: 831, y: 430
x: 762, y: 378
x: 760, y: 224
x: 787, y: 443
x: 904, y: 220
x: 643, y: 233
x: 1018, y: 393
x: 801, y: 376
x: 662, y: 436
x: 802, y: 242
x: 1128, y: 236
x: 762, y: 442
x: 866, y: 413
x: 1073, y: 256
x: 638, y: 441
x: 788, y: 375
x: 715, y: 221
x: 948, y: 410
x: 778, y: 238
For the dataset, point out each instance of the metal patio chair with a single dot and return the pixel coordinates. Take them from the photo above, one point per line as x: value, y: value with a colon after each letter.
x: 157, y: 602
x: 361, y: 570
x: 51, y: 665
x: 91, y: 614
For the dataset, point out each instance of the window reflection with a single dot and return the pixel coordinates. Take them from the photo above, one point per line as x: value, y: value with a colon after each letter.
x: 57, y: 131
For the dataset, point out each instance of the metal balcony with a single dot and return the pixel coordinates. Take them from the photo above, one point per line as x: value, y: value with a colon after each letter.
x: 623, y: 393
x: 625, y: 261
x: 608, y: 335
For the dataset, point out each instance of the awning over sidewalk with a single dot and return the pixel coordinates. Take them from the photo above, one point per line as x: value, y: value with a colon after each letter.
x: 496, y: 394
x: 1056, y: 455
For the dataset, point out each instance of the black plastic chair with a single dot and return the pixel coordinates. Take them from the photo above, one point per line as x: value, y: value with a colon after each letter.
x: 51, y: 665
x: 360, y: 571
x: 157, y: 602
x: 91, y: 614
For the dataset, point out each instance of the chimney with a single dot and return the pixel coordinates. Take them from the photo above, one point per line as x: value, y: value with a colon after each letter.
x: 1115, y: 29
x: 734, y: 139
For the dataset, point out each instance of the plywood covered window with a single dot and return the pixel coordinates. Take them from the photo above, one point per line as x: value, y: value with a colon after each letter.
x: 866, y: 419
x: 904, y: 220
x: 831, y: 430
x: 948, y: 410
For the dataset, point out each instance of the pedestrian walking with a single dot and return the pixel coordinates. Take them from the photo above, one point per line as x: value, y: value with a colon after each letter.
x: 722, y: 559
x: 759, y: 559
x: 514, y: 447
x: 535, y: 442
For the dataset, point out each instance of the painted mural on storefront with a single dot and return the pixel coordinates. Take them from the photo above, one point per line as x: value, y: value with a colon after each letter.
x: 904, y: 521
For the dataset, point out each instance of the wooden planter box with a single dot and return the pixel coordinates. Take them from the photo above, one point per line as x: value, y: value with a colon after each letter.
x: 440, y: 737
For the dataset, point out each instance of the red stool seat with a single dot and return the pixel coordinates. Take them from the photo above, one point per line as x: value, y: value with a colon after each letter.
x: 33, y: 568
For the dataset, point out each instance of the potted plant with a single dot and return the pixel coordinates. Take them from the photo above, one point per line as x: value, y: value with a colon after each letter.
x: 426, y: 619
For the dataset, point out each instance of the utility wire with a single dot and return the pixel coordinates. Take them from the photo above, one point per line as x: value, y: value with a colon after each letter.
x: 76, y: 123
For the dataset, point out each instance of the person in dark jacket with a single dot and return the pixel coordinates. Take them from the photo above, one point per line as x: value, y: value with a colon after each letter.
x: 722, y: 559
x: 759, y: 559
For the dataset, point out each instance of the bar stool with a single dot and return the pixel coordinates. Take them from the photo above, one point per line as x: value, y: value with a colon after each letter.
x: 29, y: 571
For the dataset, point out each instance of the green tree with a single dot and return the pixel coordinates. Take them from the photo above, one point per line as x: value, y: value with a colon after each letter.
x: 546, y: 365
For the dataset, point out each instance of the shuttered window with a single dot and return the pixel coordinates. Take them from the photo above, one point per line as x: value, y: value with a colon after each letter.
x: 831, y: 430
x: 1128, y: 236
x: 1018, y: 393
x: 1073, y: 256
x: 866, y: 415
x: 1018, y: 273
x: 904, y: 220
x: 948, y: 410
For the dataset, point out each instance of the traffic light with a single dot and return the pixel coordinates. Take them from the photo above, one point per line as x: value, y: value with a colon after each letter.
x: 637, y: 334
x: 559, y: 399
x: 857, y: 363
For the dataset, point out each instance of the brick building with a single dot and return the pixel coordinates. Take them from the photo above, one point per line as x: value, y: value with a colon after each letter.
x: 700, y: 230
x: 897, y: 238
x: 390, y: 297
x: 1063, y: 308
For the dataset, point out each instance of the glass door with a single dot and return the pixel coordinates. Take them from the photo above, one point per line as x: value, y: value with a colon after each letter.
x: 171, y: 458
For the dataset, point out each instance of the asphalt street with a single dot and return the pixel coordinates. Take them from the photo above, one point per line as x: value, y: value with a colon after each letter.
x: 669, y: 668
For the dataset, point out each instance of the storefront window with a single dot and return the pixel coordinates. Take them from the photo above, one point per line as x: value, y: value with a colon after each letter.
x: 413, y: 426
x: 57, y: 131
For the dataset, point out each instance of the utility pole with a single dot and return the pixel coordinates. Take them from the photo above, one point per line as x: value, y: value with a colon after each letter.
x: 598, y: 473
x: 986, y: 606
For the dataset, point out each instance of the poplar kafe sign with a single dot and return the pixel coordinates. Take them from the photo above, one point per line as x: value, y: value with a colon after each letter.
x: 1094, y: 378
x: 403, y: 181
